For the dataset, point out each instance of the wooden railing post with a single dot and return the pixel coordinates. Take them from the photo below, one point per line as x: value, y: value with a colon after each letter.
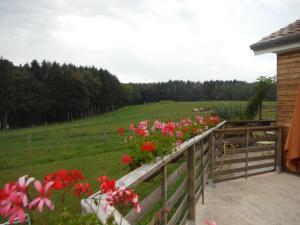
x: 191, y: 186
x: 247, y: 150
x: 203, y: 172
x: 211, y: 159
x: 164, y: 187
x: 278, y: 150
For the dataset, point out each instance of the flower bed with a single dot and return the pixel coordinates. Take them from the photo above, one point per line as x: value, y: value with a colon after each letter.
x: 147, y: 142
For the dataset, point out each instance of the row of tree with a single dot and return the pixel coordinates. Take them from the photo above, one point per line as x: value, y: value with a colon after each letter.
x: 44, y: 91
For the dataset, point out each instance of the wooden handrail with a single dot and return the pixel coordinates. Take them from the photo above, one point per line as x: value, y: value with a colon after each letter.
x: 250, y: 121
x: 260, y: 128
x: 142, y: 173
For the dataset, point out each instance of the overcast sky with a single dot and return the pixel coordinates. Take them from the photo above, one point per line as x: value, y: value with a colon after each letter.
x: 147, y: 40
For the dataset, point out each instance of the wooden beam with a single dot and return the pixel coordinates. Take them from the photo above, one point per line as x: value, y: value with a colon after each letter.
x: 254, y: 149
x: 179, y: 211
x: 191, y: 184
x: 262, y: 128
x: 148, y: 202
x: 203, y: 173
x: 221, y: 179
x: 184, y: 219
x: 240, y: 140
x: 278, y: 149
x: 164, y: 188
x: 242, y: 169
x: 178, y: 193
x: 247, y: 148
x: 198, y: 152
x: 211, y: 159
x: 243, y: 160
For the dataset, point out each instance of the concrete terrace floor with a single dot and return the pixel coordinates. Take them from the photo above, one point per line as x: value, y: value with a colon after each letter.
x: 268, y: 199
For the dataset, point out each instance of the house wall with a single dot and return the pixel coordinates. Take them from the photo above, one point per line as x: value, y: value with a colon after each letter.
x: 288, y: 79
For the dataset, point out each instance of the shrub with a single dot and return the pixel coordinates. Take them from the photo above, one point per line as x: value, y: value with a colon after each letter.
x: 230, y: 111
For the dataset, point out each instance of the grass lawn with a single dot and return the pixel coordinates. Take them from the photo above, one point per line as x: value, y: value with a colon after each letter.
x: 91, y: 145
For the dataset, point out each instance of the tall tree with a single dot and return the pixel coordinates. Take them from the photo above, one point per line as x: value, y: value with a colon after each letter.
x: 261, y: 89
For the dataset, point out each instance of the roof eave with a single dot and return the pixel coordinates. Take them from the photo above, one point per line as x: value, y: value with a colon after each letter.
x: 276, y: 46
x: 278, y: 49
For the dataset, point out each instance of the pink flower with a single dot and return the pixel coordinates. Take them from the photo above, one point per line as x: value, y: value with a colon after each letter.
x: 6, y: 201
x: 168, y: 129
x: 22, y: 186
x: 43, y: 199
x: 199, y: 119
x: 158, y: 125
x: 143, y: 124
x: 12, y: 203
x: 210, y: 222
x: 17, y: 209
x: 179, y: 142
x: 123, y: 197
x: 132, y: 127
x: 137, y: 207
x: 179, y: 134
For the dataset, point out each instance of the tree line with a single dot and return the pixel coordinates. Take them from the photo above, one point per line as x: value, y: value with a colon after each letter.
x: 46, y: 92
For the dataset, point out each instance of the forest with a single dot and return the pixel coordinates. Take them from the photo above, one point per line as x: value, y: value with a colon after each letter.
x: 47, y: 92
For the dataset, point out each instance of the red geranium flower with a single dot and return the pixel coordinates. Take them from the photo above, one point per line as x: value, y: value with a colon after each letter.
x: 106, y: 185
x: 64, y: 178
x: 121, y: 130
x: 127, y: 159
x: 81, y: 188
x: 148, y: 146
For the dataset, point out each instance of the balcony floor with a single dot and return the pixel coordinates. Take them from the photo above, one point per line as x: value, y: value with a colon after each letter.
x: 268, y: 199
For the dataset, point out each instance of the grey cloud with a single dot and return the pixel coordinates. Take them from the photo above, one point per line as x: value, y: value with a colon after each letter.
x: 176, y: 41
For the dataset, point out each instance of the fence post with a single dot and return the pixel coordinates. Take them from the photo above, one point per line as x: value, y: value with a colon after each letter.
x: 191, y: 186
x: 211, y: 159
x: 247, y: 149
x: 67, y: 136
x: 278, y: 150
x: 29, y: 141
x: 164, y: 187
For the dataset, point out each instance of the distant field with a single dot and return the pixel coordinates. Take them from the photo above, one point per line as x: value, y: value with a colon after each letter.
x: 91, y: 145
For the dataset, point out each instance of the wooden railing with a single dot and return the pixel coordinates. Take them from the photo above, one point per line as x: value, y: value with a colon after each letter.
x: 250, y: 123
x: 187, y: 169
x: 246, y: 151
x: 178, y: 180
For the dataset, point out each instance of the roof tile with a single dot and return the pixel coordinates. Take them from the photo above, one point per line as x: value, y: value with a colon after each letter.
x: 284, y: 32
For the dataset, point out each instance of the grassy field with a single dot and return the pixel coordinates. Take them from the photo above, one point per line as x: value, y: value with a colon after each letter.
x: 91, y: 145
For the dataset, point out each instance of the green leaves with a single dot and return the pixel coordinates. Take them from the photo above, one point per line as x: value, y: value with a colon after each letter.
x: 262, y: 86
